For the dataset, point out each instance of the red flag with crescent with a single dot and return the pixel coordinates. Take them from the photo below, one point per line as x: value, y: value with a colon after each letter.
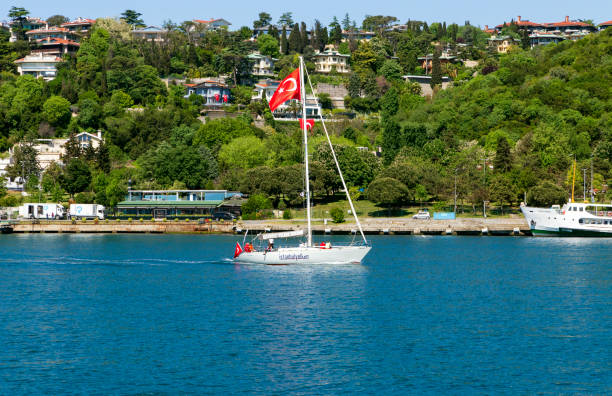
x: 217, y: 97
x: 309, y: 124
x: 238, y: 250
x: 288, y: 89
x: 225, y: 98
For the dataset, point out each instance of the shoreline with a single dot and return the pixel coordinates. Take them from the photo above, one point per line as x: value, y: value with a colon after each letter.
x: 386, y: 226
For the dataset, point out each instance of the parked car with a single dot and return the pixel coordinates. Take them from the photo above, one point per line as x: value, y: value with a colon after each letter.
x: 422, y: 215
x: 223, y: 216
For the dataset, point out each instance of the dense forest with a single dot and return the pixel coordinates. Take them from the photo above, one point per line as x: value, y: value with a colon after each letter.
x: 509, y: 126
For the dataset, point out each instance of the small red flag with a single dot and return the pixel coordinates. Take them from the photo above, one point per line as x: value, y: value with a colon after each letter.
x: 238, y: 250
x: 288, y: 89
x: 309, y: 124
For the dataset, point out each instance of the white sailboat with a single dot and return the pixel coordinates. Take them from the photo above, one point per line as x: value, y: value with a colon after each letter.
x: 305, y: 252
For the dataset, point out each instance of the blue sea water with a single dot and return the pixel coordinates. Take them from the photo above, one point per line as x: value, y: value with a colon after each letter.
x: 167, y: 314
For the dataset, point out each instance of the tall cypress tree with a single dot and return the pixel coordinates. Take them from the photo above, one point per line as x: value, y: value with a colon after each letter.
x: 294, y: 39
x: 436, y: 69
x: 303, y: 37
x: 283, y: 42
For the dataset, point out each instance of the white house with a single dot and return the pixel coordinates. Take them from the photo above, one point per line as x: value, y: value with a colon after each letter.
x: 38, y: 65
x: 329, y: 60
x: 263, y: 65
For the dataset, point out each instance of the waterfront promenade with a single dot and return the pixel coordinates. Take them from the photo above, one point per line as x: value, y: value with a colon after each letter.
x: 406, y: 226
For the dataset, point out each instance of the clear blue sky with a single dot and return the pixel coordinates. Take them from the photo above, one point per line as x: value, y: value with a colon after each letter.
x: 243, y: 12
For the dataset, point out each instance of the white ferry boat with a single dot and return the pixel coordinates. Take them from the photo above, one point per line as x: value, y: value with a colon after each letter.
x: 573, y: 219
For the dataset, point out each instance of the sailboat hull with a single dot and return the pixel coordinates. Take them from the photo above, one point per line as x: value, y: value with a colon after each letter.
x: 306, y: 255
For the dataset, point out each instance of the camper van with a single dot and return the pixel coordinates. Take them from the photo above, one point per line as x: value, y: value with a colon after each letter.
x: 41, y: 211
x: 86, y: 211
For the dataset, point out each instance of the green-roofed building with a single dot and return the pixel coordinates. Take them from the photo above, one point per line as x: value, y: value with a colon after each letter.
x: 173, y: 203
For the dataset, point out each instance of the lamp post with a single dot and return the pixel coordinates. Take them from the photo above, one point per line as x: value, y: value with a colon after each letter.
x: 584, y: 184
x: 455, y: 195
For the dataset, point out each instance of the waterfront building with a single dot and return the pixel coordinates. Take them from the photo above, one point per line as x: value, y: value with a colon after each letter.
x: 263, y: 65
x: 331, y: 60
x: 214, y: 93
x: 150, y: 33
x: 39, y: 65
x: 172, y: 203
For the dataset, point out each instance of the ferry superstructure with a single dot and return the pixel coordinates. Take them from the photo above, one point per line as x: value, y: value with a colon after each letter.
x: 573, y: 219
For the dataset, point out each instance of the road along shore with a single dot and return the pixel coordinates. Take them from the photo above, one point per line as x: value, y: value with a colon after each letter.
x: 398, y: 226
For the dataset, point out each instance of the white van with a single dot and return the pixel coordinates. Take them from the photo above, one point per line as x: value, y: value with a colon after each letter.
x: 41, y: 211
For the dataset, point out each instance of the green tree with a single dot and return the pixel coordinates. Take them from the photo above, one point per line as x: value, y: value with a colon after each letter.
x: 56, y: 111
x: 503, y: 158
x: 337, y: 214
x: 72, y: 149
x: 295, y: 41
x: 243, y: 152
x: 391, y: 70
x: 546, y: 193
x: 57, y: 20
x: 116, y: 190
x: 286, y: 19
x: 264, y: 20
x: 77, y: 176
x: 24, y: 162
x: 284, y: 44
x: 388, y: 192
x: 256, y: 203
x: 335, y: 32
x: 268, y: 45
x: 436, y: 69
x: 18, y: 16
x: 132, y: 17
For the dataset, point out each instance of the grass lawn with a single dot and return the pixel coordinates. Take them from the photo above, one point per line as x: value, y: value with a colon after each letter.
x: 366, y: 209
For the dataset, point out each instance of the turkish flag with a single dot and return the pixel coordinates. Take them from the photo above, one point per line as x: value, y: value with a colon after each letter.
x: 225, y: 98
x: 288, y: 89
x: 238, y: 250
x: 217, y: 97
x: 309, y: 123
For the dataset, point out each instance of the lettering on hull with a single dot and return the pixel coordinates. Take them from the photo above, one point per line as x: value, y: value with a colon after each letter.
x: 293, y: 257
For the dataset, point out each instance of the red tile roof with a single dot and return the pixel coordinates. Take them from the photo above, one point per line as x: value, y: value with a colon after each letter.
x: 56, y: 40
x: 608, y: 23
x: 521, y: 22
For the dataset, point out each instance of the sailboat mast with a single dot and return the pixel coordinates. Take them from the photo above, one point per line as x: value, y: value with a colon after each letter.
x: 331, y: 147
x: 305, y: 130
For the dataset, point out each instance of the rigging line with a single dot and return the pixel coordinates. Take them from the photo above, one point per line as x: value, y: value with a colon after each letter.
x: 348, y: 196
